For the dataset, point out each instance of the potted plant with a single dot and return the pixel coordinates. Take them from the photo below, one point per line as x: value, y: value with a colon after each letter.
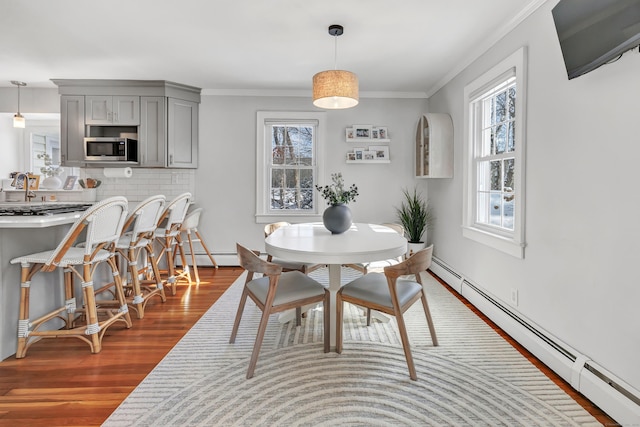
x: 337, y: 217
x: 415, y: 216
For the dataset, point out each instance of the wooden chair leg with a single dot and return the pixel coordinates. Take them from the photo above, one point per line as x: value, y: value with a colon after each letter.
x: 368, y: 317
x: 298, y: 316
x: 259, y: 337
x: 326, y: 309
x: 427, y: 313
x: 339, y: 309
x: 406, y: 346
x: 236, y: 323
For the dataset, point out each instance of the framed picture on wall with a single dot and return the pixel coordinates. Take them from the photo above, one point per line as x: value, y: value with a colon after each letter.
x: 362, y: 131
x: 381, y: 152
x: 358, y: 152
x: 382, y: 132
x: 349, y: 134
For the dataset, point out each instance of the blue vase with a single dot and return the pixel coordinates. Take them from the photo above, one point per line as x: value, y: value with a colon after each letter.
x: 337, y: 218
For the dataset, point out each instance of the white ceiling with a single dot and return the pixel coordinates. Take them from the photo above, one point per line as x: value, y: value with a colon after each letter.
x: 408, y: 47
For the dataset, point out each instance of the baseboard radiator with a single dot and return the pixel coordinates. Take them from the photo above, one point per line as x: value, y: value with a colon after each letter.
x: 618, y: 399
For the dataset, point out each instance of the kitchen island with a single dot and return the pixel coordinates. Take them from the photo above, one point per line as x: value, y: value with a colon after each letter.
x: 21, y: 235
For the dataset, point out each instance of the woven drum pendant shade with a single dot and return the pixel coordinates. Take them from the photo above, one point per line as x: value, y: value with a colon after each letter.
x: 335, y: 89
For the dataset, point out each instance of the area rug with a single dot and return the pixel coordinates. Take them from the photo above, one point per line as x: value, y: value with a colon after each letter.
x: 473, y: 378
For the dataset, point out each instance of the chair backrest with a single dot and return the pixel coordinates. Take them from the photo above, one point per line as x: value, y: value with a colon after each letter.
x: 145, y: 217
x: 103, y: 222
x: 251, y: 262
x: 192, y: 220
x: 415, y: 264
x: 175, y: 212
x: 397, y: 227
x: 270, y: 228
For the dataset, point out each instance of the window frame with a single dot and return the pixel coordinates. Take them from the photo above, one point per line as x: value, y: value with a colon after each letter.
x: 510, y: 242
x: 264, y: 214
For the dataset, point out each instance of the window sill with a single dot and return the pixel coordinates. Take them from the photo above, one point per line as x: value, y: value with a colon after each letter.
x: 500, y: 243
x: 292, y: 218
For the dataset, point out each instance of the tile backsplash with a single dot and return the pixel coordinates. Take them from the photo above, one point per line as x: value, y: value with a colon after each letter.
x: 144, y: 182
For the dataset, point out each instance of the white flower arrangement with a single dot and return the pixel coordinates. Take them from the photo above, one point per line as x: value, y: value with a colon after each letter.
x: 49, y: 169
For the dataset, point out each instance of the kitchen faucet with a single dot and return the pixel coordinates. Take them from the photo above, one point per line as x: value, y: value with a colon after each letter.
x: 28, y: 194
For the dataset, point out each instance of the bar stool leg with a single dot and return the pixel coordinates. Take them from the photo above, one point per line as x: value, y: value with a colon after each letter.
x: 201, y: 240
x: 23, y: 319
x: 91, y: 311
x: 193, y: 258
x: 138, y: 298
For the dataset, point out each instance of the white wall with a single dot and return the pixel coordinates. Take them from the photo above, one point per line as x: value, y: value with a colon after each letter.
x: 226, y: 178
x: 579, y: 276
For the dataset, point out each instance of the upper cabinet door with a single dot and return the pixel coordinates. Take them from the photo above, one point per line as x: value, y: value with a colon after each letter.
x: 182, y: 133
x: 112, y: 110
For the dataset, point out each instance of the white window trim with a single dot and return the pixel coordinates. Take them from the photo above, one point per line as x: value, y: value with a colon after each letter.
x: 512, y: 243
x: 263, y: 216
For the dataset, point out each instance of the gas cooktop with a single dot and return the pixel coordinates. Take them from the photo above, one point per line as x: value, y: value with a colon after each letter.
x: 43, y: 210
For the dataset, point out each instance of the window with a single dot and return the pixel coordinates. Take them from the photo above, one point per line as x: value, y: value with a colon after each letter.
x: 289, y: 155
x: 494, y: 152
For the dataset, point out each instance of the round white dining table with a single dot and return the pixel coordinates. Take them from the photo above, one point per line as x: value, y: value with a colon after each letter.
x: 313, y: 243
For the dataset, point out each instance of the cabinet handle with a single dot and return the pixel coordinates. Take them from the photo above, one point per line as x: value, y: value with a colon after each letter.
x: 115, y: 117
x: 170, y: 159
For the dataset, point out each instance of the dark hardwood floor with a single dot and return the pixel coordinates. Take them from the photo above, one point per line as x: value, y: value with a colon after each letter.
x: 61, y: 383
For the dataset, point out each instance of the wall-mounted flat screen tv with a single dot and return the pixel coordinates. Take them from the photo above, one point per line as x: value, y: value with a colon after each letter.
x: 594, y: 32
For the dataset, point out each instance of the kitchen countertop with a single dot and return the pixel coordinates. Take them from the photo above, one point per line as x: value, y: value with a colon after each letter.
x: 37, y: 221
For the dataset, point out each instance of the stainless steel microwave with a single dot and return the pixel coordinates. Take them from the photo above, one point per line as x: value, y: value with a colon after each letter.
x: 110, y: 149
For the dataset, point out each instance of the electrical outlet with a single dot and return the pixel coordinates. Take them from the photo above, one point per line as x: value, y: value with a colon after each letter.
x: 514, y: 297
x: 174, y: 178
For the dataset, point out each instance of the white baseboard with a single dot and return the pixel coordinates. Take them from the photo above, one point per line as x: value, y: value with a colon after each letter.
x: 618, y: 399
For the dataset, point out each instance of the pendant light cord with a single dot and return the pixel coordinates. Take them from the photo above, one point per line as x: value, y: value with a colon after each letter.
x: 335, y: 53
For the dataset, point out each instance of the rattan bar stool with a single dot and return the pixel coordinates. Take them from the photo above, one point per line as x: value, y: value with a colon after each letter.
x: 102, y: 224
x: 135, y: 246
x: 190, y: 228
x: 167, y: 235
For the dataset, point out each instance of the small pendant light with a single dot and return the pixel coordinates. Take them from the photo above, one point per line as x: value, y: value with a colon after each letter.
x: 335, y: 89
x: 18, y: 119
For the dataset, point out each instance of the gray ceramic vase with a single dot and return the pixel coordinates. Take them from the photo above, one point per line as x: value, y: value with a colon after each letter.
x: 337, y: 218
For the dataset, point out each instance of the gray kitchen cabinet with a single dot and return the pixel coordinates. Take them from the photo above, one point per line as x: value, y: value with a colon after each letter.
x: 112, y: 110
x: 168, y: 135
x: 182, y: 130
x: 162, y: 115
x: 152, y: 135
x: 72, y: 130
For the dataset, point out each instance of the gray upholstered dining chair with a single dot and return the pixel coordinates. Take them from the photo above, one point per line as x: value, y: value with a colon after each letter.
x: 390, y: 294
x: 364, y: 267
x: 274, y: 292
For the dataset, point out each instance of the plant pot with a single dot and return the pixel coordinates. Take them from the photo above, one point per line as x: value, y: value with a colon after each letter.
x: 337, y: 218
x: 412, y: 248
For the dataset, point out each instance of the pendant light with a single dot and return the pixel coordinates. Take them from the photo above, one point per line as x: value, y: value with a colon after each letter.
x: 18, y: 119
x: 335, y: 89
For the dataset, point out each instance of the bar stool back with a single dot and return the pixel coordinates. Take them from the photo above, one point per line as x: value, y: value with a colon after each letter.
x: 102, y: 224
x: 136, y: 245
